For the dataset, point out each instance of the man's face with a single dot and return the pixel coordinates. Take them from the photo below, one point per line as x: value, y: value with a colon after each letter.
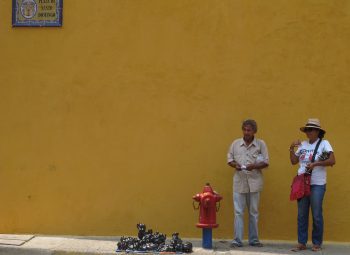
x: 248, y: 132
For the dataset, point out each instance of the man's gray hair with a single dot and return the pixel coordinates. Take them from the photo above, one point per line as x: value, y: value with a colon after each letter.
x: 251, y: 123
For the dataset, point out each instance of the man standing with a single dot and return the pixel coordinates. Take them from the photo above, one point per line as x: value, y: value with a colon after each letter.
x: 248, y: 155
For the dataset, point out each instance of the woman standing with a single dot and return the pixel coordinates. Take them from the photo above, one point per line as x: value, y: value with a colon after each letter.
x: 324, y: 157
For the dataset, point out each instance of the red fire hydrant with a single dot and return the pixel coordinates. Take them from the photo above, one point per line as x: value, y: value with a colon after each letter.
x: 207, y: 212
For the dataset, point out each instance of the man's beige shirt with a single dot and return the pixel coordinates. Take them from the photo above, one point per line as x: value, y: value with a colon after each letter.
x: 239, y: 152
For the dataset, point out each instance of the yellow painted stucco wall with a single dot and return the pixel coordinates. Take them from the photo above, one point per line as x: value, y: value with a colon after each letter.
x: 125, y: 112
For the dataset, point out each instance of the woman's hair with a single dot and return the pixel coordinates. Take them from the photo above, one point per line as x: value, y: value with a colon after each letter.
x: 321, y: 134
x: 251, y: 123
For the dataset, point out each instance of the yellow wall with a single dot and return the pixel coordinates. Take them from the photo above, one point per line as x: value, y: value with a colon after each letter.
x: 124, y: 113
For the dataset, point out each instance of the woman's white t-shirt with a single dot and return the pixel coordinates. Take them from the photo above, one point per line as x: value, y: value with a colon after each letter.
x: 305, y: 152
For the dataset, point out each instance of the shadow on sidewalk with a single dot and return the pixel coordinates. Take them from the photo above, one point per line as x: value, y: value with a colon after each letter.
x: 271, y: 247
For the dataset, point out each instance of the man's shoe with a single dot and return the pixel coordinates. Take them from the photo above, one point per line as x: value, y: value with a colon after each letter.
x: 257, y: 244
x: 316, y: 248
x: 235, y: 244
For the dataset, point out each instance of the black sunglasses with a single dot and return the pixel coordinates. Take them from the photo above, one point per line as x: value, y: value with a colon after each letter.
x: 309, y: 129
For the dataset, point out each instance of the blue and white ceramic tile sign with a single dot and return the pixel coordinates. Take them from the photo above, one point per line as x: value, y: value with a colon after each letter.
x: 37, y: 13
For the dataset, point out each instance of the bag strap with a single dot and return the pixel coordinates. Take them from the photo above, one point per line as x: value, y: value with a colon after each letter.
x: 315, y: 151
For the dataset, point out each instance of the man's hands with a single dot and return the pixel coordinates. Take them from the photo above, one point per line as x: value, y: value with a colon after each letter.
x: 235, y: 165
x: 250, y: 167
x: 238, y: 167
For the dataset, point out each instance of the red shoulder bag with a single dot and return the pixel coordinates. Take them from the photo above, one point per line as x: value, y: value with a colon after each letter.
x: 301, y: 183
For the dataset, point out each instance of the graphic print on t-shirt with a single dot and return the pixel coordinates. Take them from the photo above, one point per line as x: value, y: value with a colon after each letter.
x: 311, y: 155
x: 306, y: 156
x: 305, y: 153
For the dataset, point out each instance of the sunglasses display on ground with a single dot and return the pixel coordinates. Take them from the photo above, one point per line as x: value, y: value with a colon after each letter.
x: 147, y: 241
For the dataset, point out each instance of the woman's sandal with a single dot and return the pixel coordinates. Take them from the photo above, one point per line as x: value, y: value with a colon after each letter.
x: 300, y: 247
x: 316, y: 248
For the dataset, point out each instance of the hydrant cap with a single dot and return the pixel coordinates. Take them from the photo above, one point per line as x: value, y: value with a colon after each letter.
x: 208, y: 188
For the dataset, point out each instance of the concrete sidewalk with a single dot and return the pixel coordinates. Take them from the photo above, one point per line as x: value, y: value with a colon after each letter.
x: 56, y: 245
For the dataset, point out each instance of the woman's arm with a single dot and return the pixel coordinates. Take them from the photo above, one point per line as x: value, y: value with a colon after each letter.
x: 328, y: 162
x: 293, y: 158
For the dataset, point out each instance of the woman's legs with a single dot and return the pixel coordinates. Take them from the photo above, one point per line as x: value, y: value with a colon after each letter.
x: 316, y: 199
x: 303, y: 219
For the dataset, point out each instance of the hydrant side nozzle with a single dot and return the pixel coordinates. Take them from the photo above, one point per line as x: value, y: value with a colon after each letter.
x: 197, y: 197
x: 218, y: 197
